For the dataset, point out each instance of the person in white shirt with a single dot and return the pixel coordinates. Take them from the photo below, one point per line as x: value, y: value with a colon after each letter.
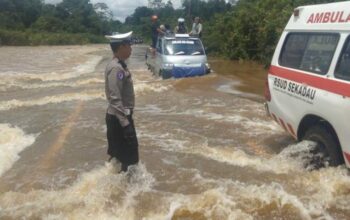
x: 196, y: 28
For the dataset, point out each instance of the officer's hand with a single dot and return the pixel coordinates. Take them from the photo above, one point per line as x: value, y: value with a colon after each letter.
x: 130, y: 136
x: 128, y: 131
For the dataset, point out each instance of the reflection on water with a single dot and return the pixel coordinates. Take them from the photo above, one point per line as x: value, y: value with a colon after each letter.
x: 207, y: 149
x: 247, y: 77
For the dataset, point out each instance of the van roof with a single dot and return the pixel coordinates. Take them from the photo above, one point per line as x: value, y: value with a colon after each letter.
x: 322, y: 17
x: 176, y: 36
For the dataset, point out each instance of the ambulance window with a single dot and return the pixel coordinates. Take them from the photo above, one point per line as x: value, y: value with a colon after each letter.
x: 311, y: 52
x: 293, y: 50
x: 343, y: 67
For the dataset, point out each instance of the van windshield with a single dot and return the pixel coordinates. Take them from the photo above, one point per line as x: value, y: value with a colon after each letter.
x: 185, y: 46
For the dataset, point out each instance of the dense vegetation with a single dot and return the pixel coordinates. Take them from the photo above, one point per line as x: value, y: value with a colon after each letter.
x: 251, y: 29
x: 31, y: 22
x: 140, y: 22
x: 248, y: 30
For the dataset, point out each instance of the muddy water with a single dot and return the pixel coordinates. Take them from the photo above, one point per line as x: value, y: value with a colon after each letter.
x: 207, y: 149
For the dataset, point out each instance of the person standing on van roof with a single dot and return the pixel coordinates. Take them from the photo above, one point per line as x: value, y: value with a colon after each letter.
x: 162, y: 27
x: 155, y: 29
x: 196, y: 28
x: 180, y: 28
x: 166, y: 30
x: 119, y: 89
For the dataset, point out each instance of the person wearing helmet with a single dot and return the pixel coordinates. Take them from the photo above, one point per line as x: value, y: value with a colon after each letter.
x: 180, y: 28
x: 155, y: 30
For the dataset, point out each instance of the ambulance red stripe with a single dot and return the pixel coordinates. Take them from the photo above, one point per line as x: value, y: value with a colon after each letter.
x: 274, y: 117
x: 330, y: 85
x: 290, y: 128
x: 283, y: 125
x: 347, y: 156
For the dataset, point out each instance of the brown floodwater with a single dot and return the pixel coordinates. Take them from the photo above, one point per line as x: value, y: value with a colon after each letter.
x: 251, y: 75
x: 208, y: 151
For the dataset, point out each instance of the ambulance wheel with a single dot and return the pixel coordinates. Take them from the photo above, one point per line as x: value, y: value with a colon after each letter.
x: 327, y: 151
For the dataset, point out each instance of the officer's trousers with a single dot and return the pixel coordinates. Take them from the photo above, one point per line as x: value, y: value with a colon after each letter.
x: 154, y: 41
x: 123, y: 149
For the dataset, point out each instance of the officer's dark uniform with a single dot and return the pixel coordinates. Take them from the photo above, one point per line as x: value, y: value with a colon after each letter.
x: 121, y: 101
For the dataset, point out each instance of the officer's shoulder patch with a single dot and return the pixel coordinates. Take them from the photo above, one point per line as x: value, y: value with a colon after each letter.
x: 120, y: 74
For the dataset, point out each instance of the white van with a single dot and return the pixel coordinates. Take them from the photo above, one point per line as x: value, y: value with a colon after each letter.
x: 178, y: 56
x: 308, y: 84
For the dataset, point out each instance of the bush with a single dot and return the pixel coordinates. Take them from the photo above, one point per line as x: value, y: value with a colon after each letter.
x: 29, y: 37
x: 250, y: 31
x: 17, y: 38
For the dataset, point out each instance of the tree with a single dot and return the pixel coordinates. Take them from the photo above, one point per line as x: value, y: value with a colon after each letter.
x: 139, y: 13
x: 250, y: 29
x: 79, y: 16
x: 48, y: 24
x: 205, y: 10
x: 103, y: 11
x: 18, y: 14
x: 155, y: 4
x: 169, y: 4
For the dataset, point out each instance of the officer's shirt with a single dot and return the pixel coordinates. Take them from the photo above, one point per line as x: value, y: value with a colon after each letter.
x: 119, y: 90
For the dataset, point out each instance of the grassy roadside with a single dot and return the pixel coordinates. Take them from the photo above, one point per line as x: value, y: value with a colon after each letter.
x: 31, y: 38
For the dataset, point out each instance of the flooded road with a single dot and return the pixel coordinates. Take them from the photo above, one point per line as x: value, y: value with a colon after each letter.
x: 207, y: 149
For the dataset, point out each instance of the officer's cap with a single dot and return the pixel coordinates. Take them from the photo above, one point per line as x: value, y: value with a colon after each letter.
x: 120, y: 38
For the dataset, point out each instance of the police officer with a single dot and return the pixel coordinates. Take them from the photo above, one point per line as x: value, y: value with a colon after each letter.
x: 119, y: 88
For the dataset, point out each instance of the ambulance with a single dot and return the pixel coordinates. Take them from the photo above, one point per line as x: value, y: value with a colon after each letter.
x: 307, y: 89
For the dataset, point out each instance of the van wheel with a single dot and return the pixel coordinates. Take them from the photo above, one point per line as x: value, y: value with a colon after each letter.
x: 327, y: 151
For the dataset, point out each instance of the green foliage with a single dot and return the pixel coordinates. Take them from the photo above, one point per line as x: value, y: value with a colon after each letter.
x: 23, y: 13
x: 79, y: 20
x: 248, y: 30
x: 48, y: 23
x: 13, y: 38
x: 251, y: 29
x: 140, y: 21
x: 205, y: 10
x: 20, y: 38
x: 10, y: 21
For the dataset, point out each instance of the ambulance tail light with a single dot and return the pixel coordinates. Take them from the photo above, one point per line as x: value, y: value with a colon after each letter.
x: 267, y: 90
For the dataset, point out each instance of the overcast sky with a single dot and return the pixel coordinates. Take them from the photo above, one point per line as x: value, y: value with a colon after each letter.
x: 122, y: 8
